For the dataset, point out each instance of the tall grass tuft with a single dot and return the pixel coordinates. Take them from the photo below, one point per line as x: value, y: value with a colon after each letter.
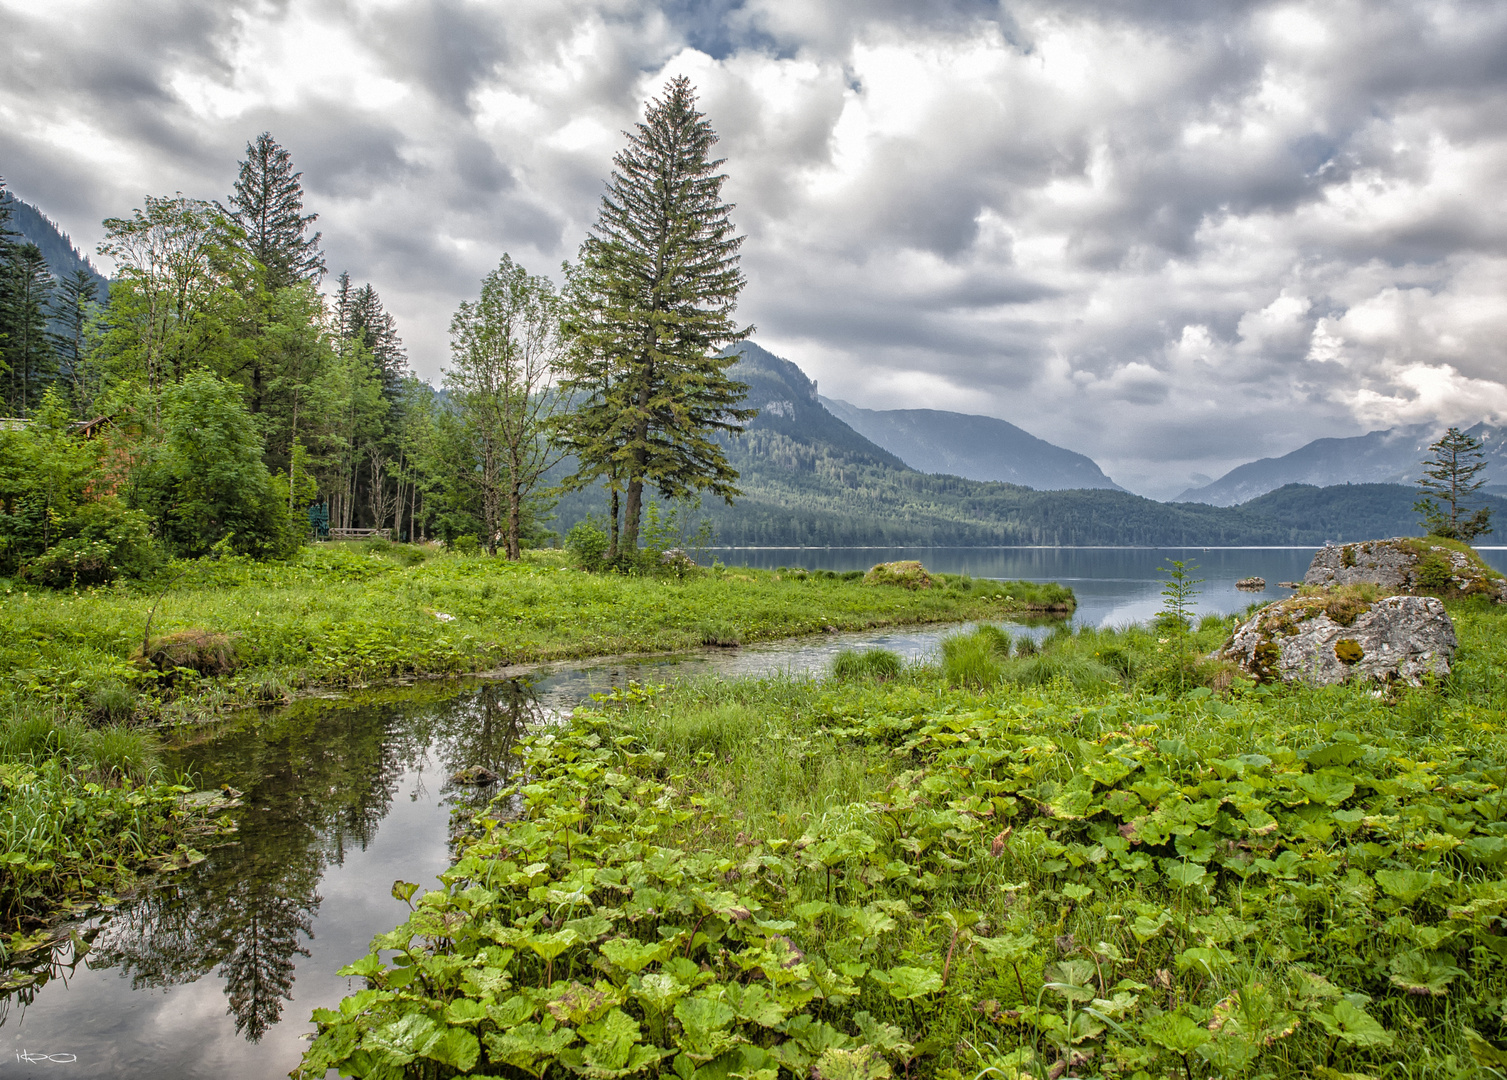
x: 853, y: 664
x: 971, y: 660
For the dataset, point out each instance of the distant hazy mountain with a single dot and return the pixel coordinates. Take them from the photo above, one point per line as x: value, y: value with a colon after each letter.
x: 975, y: 447
x: 62, y: 257
x: 1392, y: 456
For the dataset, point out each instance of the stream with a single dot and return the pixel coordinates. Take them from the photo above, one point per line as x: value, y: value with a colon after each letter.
x: 213, y: 971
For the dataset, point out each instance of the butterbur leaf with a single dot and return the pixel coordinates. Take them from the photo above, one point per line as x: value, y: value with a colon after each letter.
x: 578, y: 1004
x: 1350, y: 1024
x: 907, y: 983
x: 1484, y: 1053
x: 549, y: 946
x: 528, y: 1046
x: 1183, y: 874
x: 610, y: 1045
x: 590, y: 928
x: 859, y: 1063
x: 633, y: 955
x: 1328, y: 786
x: 457, y: 1048
x: 704, y: 1022
x: 463, y: 1011
x: 815, y: 1036
x: 404, y: 1039
x: 1176, y: 1032
x: 403, y: 890
x: 755, y: 1005
x: 1405, y: 885
x: 886, y: 1037
x: 1422, y: 974
x: 368, y: 967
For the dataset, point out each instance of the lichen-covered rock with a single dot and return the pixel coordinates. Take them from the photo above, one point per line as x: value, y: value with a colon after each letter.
x: 1410, y: 564
x: 1337, y: 637
x: 1251, y: 584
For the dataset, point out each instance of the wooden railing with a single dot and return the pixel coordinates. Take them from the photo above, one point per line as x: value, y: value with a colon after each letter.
x: 360, y: 534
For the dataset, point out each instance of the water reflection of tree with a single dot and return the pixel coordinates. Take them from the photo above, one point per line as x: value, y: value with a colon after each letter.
x: 316, y: 782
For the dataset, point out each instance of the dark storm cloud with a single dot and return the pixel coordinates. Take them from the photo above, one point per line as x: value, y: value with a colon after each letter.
x: 1172, y: 234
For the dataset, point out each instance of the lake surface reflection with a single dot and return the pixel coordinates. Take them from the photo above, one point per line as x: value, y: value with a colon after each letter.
x: 214, y: 972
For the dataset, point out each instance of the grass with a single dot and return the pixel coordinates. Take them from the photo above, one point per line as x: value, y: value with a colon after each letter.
x: 1081, y: 861
x: 83, y: 805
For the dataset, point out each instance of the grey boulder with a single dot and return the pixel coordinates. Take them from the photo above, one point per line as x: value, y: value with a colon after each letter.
x: 1309, y: 639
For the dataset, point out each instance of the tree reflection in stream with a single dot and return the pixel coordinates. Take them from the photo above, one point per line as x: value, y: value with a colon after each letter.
x: 316, y: 781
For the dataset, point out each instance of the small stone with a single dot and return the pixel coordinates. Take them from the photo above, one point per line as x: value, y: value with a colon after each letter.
x: 476, y: 774
x: 1251, y: 584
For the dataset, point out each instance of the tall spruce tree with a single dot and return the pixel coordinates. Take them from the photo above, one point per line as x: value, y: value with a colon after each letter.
x: 7, y: 258
x: 268, y: 207
x: 1449, y: 479
x: 658, y: 282
x: 73, y: 305
x: 27, y: 346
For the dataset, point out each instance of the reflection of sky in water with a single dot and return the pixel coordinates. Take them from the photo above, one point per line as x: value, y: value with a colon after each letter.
x: 342, y: 802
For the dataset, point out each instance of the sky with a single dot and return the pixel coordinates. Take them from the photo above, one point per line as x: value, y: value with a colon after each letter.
x: 1175, y: 235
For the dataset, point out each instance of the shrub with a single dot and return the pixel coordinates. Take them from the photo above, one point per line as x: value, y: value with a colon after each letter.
x: 465, y: 544
x: 587, y: 544
x: 878, y: 664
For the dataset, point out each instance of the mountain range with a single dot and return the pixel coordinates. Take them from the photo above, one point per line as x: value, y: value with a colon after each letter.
x: 809, y: 479
x: 1391, y: 456
x: 973, y: 447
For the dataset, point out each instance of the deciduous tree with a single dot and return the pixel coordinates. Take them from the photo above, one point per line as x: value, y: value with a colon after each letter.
x: 505, y: 348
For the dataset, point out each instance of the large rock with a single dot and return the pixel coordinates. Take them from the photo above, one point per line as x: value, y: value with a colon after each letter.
x: 1338, y: 636
x: 1407, y: 564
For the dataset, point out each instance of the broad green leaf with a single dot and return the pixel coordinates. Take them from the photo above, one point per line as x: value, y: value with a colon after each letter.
x: 549, y: 946
x: 755, y: 1004
x: 1484, y: 1053
x: 1350, y: 1024
x: 528, y: 1046
x: 1183, y: 874
x: 402, y: 1040
x: 906, y: 983
x: 457, y: 1048
x: 859, y: 1063
x: 1328, y: 786
x: 704, y: 1022
x: 577, y: 1004
x: 1422, y: 974
x: 1176, y: 1032
x: 1406, y: 885
x: 631, y: 955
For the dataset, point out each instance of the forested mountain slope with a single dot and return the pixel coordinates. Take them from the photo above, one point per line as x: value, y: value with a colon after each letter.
x: 62, y: 257
x: 810, y: 479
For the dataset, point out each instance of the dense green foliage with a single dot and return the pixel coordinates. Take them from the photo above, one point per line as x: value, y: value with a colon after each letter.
x: 899, y: 877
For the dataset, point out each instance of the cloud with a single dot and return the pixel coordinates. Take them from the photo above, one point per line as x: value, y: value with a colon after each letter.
x: 1175, y: 236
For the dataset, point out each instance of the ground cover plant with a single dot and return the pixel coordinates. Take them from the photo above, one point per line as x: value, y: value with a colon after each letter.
x: 80, y: 670
x: 943, y: 873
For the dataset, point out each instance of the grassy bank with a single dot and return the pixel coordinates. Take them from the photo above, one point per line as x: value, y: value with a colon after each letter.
x: 1076, y: 859
x: 83, y: 802
x: 350, y: 614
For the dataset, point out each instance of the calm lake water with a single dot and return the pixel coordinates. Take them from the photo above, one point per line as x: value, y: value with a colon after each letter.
x: 214, y: 972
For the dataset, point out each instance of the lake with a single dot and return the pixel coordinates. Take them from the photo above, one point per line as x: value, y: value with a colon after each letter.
x: 213, y: 972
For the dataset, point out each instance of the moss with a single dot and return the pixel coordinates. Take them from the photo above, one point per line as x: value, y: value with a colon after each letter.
x: 1347, y: 557
x: 908, y: 574
x: 1348, y: 651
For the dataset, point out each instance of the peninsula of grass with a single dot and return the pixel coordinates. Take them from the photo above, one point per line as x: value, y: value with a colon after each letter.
x: 1075, y: 858
x: 84, y: 805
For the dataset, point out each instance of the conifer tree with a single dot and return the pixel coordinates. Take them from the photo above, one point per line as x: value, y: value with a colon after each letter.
x: 27, y: 346
x: 7, y: 257
x: 658, y: 282
x: 73, y: 304
x: 268, y: 207
x: 1449, y: 477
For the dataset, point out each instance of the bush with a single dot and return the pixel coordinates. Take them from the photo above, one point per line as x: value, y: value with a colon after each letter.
x: 102, y: 541
x: 587, y: 544
x: 878, y: 664
x: 465, y: 544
